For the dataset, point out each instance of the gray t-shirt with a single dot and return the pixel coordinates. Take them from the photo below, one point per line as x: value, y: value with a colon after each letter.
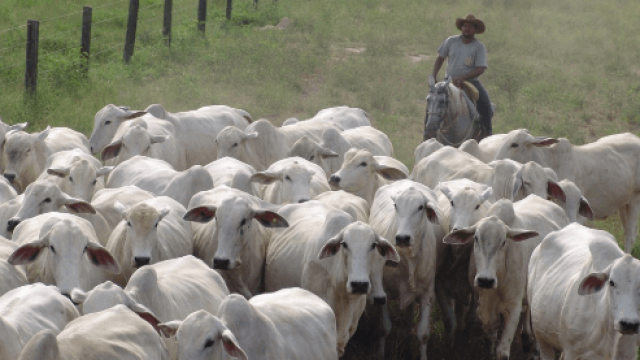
x: 462, y: 57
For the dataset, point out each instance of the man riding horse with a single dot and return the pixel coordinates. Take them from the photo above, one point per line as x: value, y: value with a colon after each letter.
x: 467, y: 60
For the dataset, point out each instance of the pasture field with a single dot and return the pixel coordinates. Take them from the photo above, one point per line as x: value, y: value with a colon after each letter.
x: 566, y: 68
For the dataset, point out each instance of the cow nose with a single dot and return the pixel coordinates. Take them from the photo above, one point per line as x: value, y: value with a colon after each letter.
x: 334, y: 179
x: 380, y: 300
x: 303, y: 201
x: 10, y: 177
x: 486, y: 283
x: 11, y: 224
x: 222, y: 264
x: 403, y: 240
x: 629, y: 326
x: 141, y: 261
x: 359, y: 287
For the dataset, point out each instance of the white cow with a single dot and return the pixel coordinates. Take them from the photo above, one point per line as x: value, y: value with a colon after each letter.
x: 77, y: 173
x: 324, y: 252
x: 234, y: 244
x: 234, y: 173
x: 353, y: 205
x: 146, y: 136
x: 607, y: 171
x: 406, y: 212
x: 292, y: 180
x: 362, y: 174
x: 63, y: 250
x: 167, y: 290
x: 25, y: 155
x: 261, y: 143
x: 4, y: 129
x: 7, y: 192
x: 194, y: 129
x: 289, y: 324
x: 27, y: 310
x: 104, y: 201
x: 486, y: 149
x: 576, y: 205
x: 329, y: 152
x: 150, y: 231
x: 583, y: 292
x: 425, y: 149
x: 343, y: 116
x: 113, y: 334
x: 509, y: 179
x: 12, y: 276
x: 159, y: 178
x: 500, y: 260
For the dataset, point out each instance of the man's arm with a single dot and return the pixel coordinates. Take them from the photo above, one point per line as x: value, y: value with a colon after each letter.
x: 470, y: 75
x: 436, y: 67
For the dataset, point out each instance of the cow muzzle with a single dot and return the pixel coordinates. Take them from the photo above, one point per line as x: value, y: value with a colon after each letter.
x: 10, y: 177
x: 334, y: 180
x: 486, y: 283
x: 403, y: 240
x: 221, y: 264
x: 359, y: 287
x: 140, y: 261
x: 629, y: 327
x: 11, y: 224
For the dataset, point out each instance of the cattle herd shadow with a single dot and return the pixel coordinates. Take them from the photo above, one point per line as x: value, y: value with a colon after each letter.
x: 402, y: 343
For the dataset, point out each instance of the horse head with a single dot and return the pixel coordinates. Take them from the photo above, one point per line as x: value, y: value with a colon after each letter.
x: 437, y: 105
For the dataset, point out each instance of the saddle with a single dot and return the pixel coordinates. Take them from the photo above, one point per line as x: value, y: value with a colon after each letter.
x: 471, y: 91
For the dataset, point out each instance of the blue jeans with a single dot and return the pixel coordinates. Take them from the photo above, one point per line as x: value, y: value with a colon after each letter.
x: 484, y: 107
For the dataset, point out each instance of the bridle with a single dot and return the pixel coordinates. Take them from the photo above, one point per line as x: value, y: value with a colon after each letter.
x: 443, y: 113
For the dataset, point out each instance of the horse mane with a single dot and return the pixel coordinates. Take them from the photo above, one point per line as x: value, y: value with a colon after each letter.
x: 457, y: 101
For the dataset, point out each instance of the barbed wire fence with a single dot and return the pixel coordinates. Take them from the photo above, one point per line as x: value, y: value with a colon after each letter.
x: 71, y: 42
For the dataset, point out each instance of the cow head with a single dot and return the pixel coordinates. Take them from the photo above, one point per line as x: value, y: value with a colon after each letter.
x: 106, y: 122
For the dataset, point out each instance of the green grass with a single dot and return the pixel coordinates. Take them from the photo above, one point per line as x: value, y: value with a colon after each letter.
x: 560, y: 68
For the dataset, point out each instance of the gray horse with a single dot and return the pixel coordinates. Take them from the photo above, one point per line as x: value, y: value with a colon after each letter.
x: 451, y: 116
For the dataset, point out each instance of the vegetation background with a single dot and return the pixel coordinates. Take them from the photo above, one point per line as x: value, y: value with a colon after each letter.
x: 563, y: 68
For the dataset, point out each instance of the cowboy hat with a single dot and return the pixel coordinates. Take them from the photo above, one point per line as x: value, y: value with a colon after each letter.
x: 472, y: 19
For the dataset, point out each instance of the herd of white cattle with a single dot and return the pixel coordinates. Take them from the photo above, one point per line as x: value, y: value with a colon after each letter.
x: 208, y: 235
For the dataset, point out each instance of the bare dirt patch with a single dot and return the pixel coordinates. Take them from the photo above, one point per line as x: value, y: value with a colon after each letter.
x: 418, y: 58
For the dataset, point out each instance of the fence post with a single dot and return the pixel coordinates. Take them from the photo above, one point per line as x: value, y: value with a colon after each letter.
x: 85, y: 43
x: 132, y: 23
x: 202, y: 14
x: 229, y: 8
x: 31, y: 72
x: 166, y: 26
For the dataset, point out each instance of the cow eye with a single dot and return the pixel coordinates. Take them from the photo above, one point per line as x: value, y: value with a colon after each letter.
x: 47, y: 200
x: 157, y: 223
x: 53, y: 250
x: 244, y: 221
x: 420, y: 208
x: 94, y: 182
x: 84, y: 250
x: 234, y: 145
x: 475, y: 237
x: 363, y: 164
x: 129, y: 223
x: 373, y: 246
x: 287, y: 178
x: 514, y: 145
x: 70, y: 179
x: 612, y: 283
x: 451, y: 203
x: 395, y: 206
x: 28, y: 151
x: 208, y: 344
x: 311, y: 158
x: 477, y: 207
x: 345, y: 245
x: 107, y: 122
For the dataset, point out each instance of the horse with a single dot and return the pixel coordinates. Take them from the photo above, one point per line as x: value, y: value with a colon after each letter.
x: 451, y: 116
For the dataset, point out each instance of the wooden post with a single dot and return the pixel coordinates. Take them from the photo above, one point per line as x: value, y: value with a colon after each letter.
x: 31, y: 72
x: 132, y: 23
x: 229, y: 8
x: 202, y: 14
x: 166, y: 26
x: 85, y: 43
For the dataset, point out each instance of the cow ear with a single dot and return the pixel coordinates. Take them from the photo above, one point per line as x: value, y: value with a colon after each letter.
x: 156, y: 139
x: 112, y: 150
x: 327, y: 153
x: 555, y: 191
x: 517, y: 183
x: 432, y: 214
x: 132, y: 115
x: 520, y: 234
x: 486, y: 195
x: 18, y: 127
x: 145, y: 314
x: 78, y: 296
x: 543, y: 141
x: 231, y: 345
x: 169, y: 328
x: 60, y: 172
x: 386, y: 250
x: 461, y: 236
x: 102, y: 258
x: 117, y: 205
x: 163, y: 212
x: 266, y: 177
x: 105, y: 170
x: 249, y: 136
x: 331, y: 247
x: 43, y: 135
x: 28, y: 253
x: 592, y: 283
x: 201, y: 214
x: 157, y: 110
x: 390, y: 173
x: 445, y: 191
x: 270, y: 219
x: 77, y: 206
x: 585, y: 209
